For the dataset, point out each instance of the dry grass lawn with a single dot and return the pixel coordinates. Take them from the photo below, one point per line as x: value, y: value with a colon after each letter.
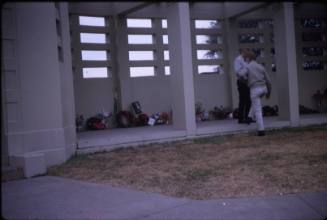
x: 284, y: 161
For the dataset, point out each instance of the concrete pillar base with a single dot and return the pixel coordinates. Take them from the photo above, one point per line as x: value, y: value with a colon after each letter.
x: 32, y: 163
x: 36, y: 163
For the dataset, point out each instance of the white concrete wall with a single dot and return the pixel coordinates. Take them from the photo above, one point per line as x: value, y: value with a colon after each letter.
x: 9, y: 79
x: 36, y: 46
x: 39, y: 76
x: 67, y: 89
x: 309, y: 81
x: 38, y: 88
x: 181, y: 62
x: 93, y: 95
x: 211, y: 90
x: 153, y: 93
x: 284, y: 37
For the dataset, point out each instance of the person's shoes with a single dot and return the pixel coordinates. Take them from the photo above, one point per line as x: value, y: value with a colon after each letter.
x: 249, y: 120
x: 261, y: 133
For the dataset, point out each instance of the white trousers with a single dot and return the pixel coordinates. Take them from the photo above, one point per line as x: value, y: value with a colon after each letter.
x: 256, y: 107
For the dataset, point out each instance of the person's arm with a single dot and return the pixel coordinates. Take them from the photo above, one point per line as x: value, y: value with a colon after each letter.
x: 237, y: 65
x: 242, y: 73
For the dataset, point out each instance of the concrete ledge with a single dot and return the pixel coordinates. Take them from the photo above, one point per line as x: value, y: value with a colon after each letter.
x: 316, y: 119
x: 32, y: 163
x: 107, y: 140
x: 110, y: 147
x: 62, y: 198
x: 36, y: 163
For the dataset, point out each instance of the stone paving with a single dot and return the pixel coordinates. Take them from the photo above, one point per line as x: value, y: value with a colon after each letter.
x: 49, y: 197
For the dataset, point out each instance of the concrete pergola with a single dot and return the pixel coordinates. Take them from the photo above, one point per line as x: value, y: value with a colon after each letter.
x: 38, y: 109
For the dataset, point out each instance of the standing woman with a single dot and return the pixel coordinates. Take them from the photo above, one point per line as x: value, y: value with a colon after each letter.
x: 260, y: 86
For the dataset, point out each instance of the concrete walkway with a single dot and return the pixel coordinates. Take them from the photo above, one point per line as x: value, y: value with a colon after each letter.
x: 51, y: 197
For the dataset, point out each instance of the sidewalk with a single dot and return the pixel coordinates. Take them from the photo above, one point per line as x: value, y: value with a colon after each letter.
x: 51, y: 197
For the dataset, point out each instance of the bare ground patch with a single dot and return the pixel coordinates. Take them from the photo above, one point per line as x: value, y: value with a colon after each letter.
x: 285, y: 161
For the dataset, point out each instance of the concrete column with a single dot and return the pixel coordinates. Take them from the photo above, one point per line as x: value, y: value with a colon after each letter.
x: 122, y: 64
x: 180, y: 47
x: 232, y: 52
x: 40, y: 113
x: 287, y: 81
x: 67, y: 82
x: 114, y: 39
x: 9, y: 81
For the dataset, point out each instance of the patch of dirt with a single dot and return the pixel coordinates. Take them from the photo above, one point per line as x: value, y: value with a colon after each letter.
x: 284, y: 161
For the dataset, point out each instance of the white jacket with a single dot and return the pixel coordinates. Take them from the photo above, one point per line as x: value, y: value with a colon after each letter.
x: 256, y: 74
x: 239, y: 65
